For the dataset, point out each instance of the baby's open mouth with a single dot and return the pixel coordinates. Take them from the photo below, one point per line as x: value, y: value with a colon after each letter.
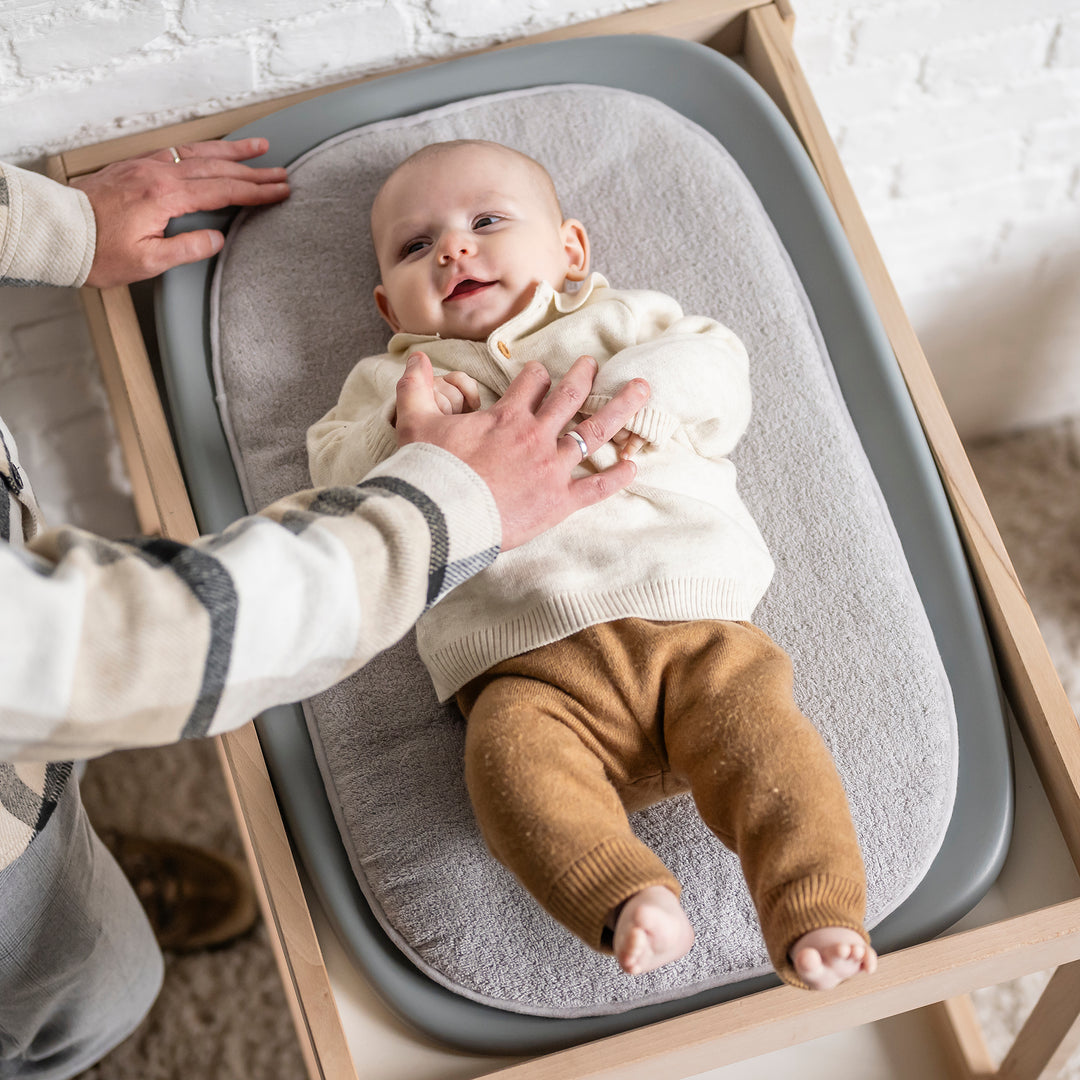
x: 466, y: 287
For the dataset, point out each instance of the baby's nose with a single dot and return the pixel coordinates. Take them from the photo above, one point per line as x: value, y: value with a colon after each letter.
x: 454, y: 247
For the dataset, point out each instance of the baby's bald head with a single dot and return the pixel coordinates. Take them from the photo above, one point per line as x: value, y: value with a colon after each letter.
x: 411, y: 170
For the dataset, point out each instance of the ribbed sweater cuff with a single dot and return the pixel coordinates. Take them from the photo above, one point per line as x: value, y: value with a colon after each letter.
x: 810, y: 903
x: 653, y: 425
x: 457, y: 506
x: 47, y: 231
x: 600, y: 881
x: 381, y: 438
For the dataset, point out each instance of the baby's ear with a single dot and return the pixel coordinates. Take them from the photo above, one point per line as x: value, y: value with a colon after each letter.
x: 576, y: 245
x: 382, y: 302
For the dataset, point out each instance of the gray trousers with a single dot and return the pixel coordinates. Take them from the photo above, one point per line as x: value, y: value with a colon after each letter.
x: 79, y: 966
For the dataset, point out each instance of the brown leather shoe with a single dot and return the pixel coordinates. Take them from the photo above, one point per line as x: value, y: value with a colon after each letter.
x: 194, y: 898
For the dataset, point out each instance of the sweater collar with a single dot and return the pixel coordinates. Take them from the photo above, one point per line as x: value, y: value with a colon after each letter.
x: 545, y: 306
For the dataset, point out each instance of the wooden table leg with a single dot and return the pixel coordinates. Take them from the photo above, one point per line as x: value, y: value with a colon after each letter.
x: 960, y: 1030
x: 1051, y: 1033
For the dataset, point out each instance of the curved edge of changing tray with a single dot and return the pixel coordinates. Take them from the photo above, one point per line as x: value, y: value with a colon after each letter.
x: 687, y: 77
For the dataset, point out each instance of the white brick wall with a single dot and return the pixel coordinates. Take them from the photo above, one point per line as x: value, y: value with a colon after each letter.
x: 78, y: 71
x: 922, y: 26
x: 102, y: 107
x: 93, y: 36
x: 352, y: 38
x: 1065, y: 51
x: 959, y: 124
x: 207, y: 18
x: 958, y: 121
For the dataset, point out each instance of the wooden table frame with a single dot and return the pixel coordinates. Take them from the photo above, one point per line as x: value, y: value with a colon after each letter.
x: 940, y: 973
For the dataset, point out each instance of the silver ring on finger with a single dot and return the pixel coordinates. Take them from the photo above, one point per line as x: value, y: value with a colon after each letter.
x: 581, y: 443
x: 175, y: 155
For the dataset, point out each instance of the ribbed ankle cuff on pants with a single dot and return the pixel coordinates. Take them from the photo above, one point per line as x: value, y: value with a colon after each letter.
x: 598, y: 882
x: 809, y: 904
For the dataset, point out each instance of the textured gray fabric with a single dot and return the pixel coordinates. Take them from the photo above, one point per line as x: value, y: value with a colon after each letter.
x: 294, y: 313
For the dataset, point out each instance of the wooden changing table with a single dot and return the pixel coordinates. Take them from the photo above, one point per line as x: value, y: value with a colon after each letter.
x: 1026, y: 935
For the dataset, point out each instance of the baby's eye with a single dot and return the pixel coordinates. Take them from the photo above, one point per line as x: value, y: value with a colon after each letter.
x: 484, y: 220
x: 412, y: 247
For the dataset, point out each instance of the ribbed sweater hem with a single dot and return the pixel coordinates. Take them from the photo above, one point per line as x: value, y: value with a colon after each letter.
x: 558, y: 616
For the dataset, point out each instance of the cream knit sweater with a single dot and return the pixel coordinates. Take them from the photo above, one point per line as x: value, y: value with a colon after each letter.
x: 677, y: 544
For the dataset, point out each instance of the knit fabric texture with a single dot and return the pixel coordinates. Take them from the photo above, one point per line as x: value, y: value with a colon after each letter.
x: 47, y: 234
x: 667, y: 209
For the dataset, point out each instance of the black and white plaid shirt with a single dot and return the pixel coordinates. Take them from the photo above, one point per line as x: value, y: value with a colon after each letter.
x: 110, y: 644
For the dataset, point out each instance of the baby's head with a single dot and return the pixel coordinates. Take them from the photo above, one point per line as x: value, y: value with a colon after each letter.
x: 464, y: 231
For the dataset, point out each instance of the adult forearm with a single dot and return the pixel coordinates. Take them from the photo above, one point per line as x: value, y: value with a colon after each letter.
x: 111, y: 645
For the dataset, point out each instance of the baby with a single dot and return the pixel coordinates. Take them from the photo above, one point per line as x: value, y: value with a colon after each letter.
x: 610, y: 662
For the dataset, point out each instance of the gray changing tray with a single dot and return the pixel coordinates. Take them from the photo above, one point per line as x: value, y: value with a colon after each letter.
x: 716, y: 94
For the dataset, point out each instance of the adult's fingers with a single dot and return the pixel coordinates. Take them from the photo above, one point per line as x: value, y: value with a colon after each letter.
x: 567, y: 394
x: 415, y: 394
x: 527, y: 389
x: 222, y: 149
x: 205, y: 168
x: 608, y: 419
x: 214, y: 194
x: 163, y: 253
x: 587, y: 490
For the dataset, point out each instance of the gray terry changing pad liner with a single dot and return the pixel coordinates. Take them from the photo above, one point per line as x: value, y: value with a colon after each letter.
x: 667, y: 207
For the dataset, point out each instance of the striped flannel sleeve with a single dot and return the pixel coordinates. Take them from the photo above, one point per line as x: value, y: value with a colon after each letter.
x: 114, y: 644
x: 47, y: 231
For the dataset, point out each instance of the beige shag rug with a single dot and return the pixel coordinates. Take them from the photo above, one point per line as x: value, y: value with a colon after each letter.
x: 222, y: 1015
x: 1032, y: 484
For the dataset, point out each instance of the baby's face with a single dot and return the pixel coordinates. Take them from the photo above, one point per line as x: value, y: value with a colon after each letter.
x: 463, y: 236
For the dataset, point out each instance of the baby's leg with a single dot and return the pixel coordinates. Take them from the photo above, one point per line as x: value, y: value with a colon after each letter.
x: 548, y: 809
x: 765, y: 783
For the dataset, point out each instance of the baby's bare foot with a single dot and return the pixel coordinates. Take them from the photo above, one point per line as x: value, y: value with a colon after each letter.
x: 827, y: 957
x: 652, y: 930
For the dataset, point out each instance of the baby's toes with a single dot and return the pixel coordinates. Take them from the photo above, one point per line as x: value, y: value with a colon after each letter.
x: 637, y: 942
x: 845, y: 959
x: 809, y: 963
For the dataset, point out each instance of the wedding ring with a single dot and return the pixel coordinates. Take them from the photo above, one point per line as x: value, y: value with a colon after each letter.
x: 175, y: 155
x: 581, y: 443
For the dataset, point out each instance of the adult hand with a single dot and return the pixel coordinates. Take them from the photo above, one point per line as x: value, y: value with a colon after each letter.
x: 133, y: 201
x: 515, y: 446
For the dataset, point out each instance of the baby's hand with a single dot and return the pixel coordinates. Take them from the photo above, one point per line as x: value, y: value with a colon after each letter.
x: 628, y: 443
x: 456, y: 393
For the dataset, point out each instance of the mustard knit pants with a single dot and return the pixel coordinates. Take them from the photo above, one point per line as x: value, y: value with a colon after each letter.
x: 564, y: 740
